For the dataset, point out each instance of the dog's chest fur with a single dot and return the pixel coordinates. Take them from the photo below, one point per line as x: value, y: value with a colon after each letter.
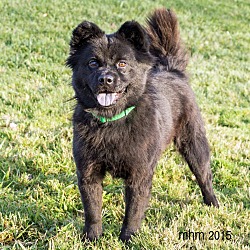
x: 118, y: 146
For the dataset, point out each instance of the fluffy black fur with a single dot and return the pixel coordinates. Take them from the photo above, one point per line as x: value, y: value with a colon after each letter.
x: 145, y: 67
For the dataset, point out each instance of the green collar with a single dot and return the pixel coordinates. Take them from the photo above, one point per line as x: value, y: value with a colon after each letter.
x: 103, y: 119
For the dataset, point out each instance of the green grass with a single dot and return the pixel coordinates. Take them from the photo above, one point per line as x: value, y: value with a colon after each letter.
x: 40, y: 207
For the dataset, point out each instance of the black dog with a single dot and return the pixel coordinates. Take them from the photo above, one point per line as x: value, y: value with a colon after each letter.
x: 133, y: 99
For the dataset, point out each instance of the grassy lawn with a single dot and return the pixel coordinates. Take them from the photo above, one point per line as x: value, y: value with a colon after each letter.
x: 40, y: 205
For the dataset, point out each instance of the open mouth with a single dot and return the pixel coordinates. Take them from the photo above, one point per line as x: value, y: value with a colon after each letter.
x: 110, y: 98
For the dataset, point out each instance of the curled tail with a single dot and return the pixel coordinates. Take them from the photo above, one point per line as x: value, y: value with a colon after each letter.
x: 166, y: 45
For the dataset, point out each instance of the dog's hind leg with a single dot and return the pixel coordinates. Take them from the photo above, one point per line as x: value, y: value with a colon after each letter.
x: 193, y: 146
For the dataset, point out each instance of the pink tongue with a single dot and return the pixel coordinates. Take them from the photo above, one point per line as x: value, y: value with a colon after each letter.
x: 106, y: 99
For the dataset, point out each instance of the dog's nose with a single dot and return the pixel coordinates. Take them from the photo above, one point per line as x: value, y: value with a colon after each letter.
x: 106, y: 79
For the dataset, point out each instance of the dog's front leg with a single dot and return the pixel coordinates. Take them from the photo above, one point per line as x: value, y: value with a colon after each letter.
x: 91, y: 193
x: 137, y: 194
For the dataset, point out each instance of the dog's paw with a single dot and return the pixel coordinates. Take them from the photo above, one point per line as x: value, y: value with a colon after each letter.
x: 126, y: 234
x: 211, y: 201
x: 92, y: 232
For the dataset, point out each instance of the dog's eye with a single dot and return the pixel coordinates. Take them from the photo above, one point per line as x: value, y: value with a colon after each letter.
x: 121, y: 64
x: 93, y: 64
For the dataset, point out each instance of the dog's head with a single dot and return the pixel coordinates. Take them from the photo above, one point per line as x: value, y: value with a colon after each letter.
x: 109, y: 71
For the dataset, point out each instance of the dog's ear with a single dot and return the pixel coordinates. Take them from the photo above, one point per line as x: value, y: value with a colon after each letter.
x: 83, y: 32
x: 134, y: 33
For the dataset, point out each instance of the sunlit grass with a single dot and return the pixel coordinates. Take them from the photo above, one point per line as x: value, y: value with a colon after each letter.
x: 40, y: 206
